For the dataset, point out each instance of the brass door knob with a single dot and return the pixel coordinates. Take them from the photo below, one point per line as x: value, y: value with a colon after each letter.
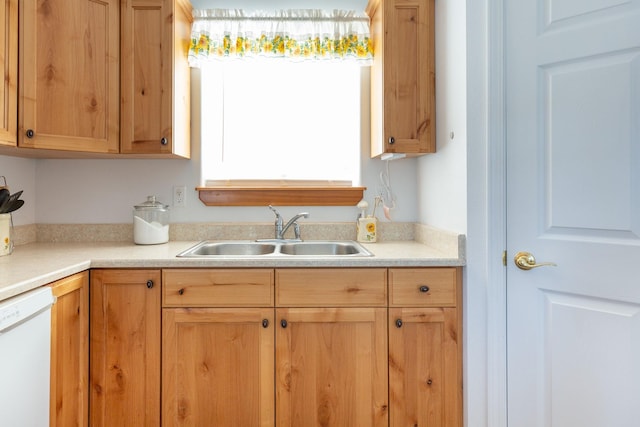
x: 526, y: 261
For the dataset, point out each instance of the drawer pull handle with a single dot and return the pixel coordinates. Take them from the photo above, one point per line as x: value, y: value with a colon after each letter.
x: 283, y: 323
x: 265, y: 323
x: 398, y: 323
x: 424, y: 289
x: 149, y: 284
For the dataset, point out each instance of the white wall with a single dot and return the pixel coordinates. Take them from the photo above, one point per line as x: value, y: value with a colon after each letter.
x: 442, y: 176
x: 105, y: 191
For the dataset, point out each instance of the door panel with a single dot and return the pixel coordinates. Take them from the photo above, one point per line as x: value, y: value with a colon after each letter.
x: 590, y: 347
x: 595, y: 156
x: 573, y: 198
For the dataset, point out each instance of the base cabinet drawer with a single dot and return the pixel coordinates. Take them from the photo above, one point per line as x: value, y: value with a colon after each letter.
x: 331, y: 287
x: 423, y: 287
x: 225, y: 287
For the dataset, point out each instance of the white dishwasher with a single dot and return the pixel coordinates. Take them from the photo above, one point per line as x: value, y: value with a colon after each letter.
x: 25, y: 347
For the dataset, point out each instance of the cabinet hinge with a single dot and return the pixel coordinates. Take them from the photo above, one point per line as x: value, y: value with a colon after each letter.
x: 504, y: 258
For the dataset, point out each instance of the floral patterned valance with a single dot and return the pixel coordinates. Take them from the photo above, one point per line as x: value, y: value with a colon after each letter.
x: 292, y: 34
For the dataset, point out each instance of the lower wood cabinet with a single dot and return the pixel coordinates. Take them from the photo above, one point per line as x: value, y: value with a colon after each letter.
x: 331, y: 367
x: 69, y: 393
x: 331, y: 347
x: 125, y: 348
x: 217, y: 367
x: 425, y: 347
x: 424, y: 372
x: 218, y: 347
x: 276, y: 347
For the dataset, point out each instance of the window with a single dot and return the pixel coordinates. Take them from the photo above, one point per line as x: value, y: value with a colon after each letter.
x: 269, y: 119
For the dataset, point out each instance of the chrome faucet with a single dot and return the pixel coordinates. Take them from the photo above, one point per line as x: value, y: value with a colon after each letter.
x: 281, y: 229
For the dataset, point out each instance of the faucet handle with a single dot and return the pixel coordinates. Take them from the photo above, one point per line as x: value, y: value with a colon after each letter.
x: 275, y: 211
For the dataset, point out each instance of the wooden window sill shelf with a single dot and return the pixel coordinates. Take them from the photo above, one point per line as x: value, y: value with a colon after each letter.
x: 280, y: 196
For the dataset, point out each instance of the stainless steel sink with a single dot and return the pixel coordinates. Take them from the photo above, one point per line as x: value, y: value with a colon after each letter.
x: 276, y: 248
x: 322, y: 248
x: 229, y: 249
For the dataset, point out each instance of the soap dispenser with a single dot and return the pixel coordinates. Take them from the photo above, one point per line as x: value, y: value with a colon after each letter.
x: 367, y: 225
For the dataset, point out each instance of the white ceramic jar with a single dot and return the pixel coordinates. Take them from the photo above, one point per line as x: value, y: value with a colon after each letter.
x: 151, y: 222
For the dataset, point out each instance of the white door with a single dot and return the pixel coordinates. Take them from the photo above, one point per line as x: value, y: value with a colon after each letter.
x: 573, y: 198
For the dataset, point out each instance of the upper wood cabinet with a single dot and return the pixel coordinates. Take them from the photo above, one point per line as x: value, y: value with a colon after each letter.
x: 403, y: 77
x: 155, y: 77
x: 102, y: 78
x: 9, y: 66
x: 69, y: 76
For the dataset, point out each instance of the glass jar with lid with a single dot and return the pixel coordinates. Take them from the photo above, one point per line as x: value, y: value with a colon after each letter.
x: 151, y: 222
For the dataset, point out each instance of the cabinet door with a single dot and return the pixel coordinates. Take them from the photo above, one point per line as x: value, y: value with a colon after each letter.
x: 217, y: 367
x: 69, y: 77
x: 9, y: 66
x: 125, y: 348
x: 70, y: 352
x: 403, y: 76
x: 331, y: 366
x: 155, y: 77
x: 425, y: 383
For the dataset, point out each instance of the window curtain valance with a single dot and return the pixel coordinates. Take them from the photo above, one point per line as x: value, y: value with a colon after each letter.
x: 290, y: 34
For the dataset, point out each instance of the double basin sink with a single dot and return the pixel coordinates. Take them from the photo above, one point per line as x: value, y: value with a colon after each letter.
x: 276, y: 248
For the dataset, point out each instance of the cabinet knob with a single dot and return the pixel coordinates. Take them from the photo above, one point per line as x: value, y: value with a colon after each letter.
x: 398, y: 323
x: 283, y: 323
x: 149, y: 284
x: 30, y: 133
x: 164, y: 141
x: 265, y: 323
x: 424, y: 289
x: 392, y: 140
x: 181, y: 291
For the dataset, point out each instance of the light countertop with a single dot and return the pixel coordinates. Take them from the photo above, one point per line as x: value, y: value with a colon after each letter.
x: 37, y: 264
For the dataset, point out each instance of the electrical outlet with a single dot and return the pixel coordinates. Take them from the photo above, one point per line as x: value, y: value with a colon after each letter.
x: 179, y: 196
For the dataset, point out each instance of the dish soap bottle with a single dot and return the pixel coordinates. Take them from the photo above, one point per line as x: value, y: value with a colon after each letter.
x: 366, y: 227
